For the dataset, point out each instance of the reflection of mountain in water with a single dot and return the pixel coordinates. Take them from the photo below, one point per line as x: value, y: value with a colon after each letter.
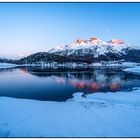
x: 59, y: 85
x: 91, y: 80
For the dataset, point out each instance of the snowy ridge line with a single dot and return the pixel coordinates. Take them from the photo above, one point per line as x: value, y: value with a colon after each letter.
x: 93, y: 45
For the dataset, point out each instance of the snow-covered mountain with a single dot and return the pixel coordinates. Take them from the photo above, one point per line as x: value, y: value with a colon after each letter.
x: 86, y: 51
x: 93, y: 46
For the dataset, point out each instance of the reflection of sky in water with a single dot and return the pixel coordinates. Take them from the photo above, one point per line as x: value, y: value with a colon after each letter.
x: 59, y: 86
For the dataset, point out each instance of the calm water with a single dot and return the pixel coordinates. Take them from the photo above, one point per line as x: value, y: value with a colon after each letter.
x: 59, y: 85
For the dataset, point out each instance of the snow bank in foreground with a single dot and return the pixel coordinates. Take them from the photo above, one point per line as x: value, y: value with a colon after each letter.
x: 96, y: 115
x: 7, y: 65
x: 131, y: 98
x: 135, y: 70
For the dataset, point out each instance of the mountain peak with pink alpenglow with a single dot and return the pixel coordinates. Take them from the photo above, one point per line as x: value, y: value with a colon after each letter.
x: 94, y: 47
x: 116, y: 41
x: 88, y: 51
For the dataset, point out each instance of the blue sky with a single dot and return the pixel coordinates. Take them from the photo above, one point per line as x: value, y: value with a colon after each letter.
x: 31, y: 27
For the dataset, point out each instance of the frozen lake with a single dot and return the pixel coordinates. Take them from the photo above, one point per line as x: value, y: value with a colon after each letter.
x: 59, y: 85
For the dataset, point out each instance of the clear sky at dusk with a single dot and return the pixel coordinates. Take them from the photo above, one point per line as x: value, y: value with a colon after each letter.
x: 31, y: 27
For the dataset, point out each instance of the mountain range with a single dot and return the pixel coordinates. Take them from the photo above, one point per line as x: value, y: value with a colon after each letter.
x: 88, y: 51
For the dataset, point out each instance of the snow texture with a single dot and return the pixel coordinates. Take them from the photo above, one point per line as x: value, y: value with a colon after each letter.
x: 92, y: 115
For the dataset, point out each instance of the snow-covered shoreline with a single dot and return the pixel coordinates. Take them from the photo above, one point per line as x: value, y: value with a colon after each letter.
x: 82, y: 65
x: 135, y: 70
x: 73, y: 65
x: 97, y: 115
x: 8, y: 65
x: 111, y: 64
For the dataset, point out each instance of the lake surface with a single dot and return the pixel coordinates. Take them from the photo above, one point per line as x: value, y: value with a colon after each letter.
x: 59, y: 85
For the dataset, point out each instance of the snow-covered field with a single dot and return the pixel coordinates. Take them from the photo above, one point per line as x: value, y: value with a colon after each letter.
x: 96, y: 115
x: 7, y: 65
